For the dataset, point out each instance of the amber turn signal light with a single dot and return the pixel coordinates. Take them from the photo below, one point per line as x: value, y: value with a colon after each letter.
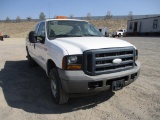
x: 74, y: 67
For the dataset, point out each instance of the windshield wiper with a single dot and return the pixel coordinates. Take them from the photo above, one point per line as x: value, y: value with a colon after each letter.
x: 90, y: 35
x: 61, y: 35
x: 75, y: 35
x: 65, y: 35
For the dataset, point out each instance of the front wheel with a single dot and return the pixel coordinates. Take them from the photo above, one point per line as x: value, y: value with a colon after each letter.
x: 59, y: 96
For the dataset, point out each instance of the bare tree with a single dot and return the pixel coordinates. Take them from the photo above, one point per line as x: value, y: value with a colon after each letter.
x: 108, y: 15
x: 88, y: 16
x: 18, y: 19
x: 130, y: 15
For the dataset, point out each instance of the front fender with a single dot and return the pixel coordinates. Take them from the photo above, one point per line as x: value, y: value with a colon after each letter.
x: 56, y: 53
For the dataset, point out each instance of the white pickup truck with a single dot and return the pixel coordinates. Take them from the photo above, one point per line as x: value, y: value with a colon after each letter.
x: 78, y: 59
x: 119, y: 33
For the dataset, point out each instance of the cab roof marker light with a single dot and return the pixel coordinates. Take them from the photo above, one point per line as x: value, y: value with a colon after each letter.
x: 61, y: 17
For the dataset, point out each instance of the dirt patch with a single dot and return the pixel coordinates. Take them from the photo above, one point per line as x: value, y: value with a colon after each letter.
x: 25, y: 92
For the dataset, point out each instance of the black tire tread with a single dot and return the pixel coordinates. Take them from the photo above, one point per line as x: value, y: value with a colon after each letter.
x: 62, y: 96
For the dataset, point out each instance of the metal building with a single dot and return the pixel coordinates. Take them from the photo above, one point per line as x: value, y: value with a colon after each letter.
x: 144, y: 26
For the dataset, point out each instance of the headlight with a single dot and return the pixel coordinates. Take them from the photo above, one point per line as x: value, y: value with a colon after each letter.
x: 136, y: 55
x: 72, y: 59
x: 72, y: 62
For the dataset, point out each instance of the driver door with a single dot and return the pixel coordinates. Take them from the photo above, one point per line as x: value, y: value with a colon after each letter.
x: 40, y: 47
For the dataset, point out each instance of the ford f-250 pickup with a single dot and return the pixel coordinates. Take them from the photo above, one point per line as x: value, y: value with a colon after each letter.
x: 79, y: 60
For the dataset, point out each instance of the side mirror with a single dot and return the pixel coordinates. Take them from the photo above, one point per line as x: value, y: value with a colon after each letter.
x: 40, y: 38
x: 32, y: 37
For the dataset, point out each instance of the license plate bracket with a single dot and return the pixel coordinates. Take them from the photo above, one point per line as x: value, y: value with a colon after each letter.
x: 117, y: 85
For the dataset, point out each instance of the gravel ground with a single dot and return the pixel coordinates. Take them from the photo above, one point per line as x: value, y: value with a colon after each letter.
x: 25, y: 93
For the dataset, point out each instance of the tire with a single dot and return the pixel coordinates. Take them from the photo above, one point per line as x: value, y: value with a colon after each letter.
x: 59, y: 96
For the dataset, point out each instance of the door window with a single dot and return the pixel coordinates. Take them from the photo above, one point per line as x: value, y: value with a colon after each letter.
x: 130, y: 25
x: 41, y: 33
x: 155, y: 24
x: 36, y: 29
x: 41, y: 30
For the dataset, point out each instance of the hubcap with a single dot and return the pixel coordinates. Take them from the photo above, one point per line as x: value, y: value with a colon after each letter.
x: 53, y: 87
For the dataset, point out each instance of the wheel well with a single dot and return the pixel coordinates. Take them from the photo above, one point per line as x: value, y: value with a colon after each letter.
x: 50, y: 65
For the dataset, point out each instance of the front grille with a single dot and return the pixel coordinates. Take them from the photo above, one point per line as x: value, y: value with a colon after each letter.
x: 100, y: 61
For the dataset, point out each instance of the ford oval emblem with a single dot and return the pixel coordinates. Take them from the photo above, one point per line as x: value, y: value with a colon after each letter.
x: 117, y: 61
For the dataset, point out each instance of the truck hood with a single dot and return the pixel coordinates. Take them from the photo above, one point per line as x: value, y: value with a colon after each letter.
x: 77, y: 45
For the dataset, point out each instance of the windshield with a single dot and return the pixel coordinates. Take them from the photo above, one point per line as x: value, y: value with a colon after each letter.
x: 70, y: 29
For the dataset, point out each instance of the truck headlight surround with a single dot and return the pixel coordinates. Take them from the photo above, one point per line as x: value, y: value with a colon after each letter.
x: 72, y: 62
x: 72, y: 59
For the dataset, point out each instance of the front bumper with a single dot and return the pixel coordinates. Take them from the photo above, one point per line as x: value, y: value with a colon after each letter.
x: 79, y: 82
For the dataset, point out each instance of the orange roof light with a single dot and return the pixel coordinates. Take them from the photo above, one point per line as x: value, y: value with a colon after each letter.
x: 61, y: 17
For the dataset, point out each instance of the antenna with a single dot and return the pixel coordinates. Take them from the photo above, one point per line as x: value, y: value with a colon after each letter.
x: 49, y: 9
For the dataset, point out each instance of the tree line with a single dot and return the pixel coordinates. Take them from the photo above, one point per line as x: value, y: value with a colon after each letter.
x: 42, y: 16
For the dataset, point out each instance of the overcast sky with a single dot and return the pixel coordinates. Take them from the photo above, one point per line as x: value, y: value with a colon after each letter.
x: 78, y: 8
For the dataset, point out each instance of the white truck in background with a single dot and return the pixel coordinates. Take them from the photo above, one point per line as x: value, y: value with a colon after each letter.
x: 79, y: 60
x: 119, y: 33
